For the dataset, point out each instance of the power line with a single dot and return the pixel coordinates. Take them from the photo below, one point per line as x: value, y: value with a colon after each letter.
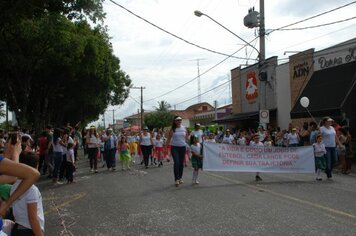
x: 134, y: 100
x: 211, y: 68
x: 316, y: 26
x: 320, y: 14
x: 174, y: 35
x: 312, y: 17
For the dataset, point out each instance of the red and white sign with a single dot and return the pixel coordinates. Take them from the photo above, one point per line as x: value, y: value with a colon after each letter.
x: 264, y: 116
x: 227, y: 157
x: 251, y: 87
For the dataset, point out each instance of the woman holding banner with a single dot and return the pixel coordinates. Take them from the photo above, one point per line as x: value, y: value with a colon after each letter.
x: 257, y: 143
x: 178, y: 136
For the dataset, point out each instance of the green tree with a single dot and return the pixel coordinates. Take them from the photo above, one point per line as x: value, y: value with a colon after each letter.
x: 55, y: 67
x: 160, y: 118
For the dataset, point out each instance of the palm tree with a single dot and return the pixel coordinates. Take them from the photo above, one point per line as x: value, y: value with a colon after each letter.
x: 163, y: 106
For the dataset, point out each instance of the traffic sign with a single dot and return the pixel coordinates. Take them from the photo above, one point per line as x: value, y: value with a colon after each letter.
x: 264, y: 116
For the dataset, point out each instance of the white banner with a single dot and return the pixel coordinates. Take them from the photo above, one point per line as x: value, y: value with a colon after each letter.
x: 227, y: 157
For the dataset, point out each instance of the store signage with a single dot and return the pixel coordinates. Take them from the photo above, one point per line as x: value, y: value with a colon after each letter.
x: 301, y: 70
x: 325, y: 62
x: 251, y: 87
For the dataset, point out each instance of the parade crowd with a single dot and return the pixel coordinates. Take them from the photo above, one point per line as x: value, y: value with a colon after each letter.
x: 55, y: 154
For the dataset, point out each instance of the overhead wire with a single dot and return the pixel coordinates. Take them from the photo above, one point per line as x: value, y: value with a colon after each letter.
x: 211, y: 68
x: 316, y: 26
x: 174, y: 35
x: 228, y: 56
x: 282, y: 27
x: 312, y: 17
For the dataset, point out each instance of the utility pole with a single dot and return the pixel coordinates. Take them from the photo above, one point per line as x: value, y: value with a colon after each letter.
x: 216, y: 109
x: 141, y: 88
x: 262, y: 56
x: 113, y: 118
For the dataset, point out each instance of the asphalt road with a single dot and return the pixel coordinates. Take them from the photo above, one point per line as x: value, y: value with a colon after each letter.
x: 146, y: 202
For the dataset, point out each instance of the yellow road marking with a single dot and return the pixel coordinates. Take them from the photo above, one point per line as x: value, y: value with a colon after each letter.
x: 305, y: 202
x: 73, y: 199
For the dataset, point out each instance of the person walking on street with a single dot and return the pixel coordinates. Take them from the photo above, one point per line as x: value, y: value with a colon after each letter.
x: 146, y: 144
x: 330, y: 140
x: 197, y: 158
x: 178, y: 136
x: 110, y: 142
x: 93, y: 144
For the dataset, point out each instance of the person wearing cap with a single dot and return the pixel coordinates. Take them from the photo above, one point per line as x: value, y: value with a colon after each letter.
x: 293, y: 138
x: 228, y: 137
x: 198, y: 132
x: 329, y: 140
x: 255, y: 142
x: 146, y: 145
x: 177, y: 137
x: 93, y: 143
x: 110, y: 143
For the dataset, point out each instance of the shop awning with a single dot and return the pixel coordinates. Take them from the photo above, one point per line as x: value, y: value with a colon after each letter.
x: 330, y: 91
x: 243, y: 116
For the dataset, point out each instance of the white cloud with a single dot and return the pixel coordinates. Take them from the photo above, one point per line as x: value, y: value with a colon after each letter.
x: 160, y: 62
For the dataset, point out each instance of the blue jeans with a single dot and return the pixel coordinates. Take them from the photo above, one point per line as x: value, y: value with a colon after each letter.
x: 178, y: 154
x: 57, y: 159
x: 110, y: 158
x: 330, y: 158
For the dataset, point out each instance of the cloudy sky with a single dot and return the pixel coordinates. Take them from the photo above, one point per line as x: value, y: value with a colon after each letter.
x: 161, y: 62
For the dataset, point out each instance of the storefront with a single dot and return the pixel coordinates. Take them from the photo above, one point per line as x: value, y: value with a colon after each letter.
x: 249, y: 95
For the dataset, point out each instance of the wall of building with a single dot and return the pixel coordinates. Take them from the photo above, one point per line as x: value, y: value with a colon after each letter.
x: 283, y: 95
x: 236, y: 90
x: 339, y: 54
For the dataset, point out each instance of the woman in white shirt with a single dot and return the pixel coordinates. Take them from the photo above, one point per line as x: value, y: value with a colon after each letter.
x: 58, y: 145
x: 178, y: 135
x: 93, y: 143
x: 329, y: 140
x: 146, y: 144
x: 293, y: 138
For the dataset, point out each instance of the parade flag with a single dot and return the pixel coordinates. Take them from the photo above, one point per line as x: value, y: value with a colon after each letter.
x: 227, y: 157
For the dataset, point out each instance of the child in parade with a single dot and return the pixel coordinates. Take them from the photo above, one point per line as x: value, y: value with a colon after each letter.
x: 28, y: 210
x: 242, y: 139
x: 210, y: 138
x: 131, y: 139
x: 125, y: 158
x: 255, y: 142
x: 197, y: 158
x: 319, y: 153
x: 268, y: 141
x: 158, y: 146
x: 70, y: 163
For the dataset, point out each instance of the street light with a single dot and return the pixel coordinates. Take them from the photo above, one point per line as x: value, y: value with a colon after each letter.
x: 262, y: 76
x: 199, y: 14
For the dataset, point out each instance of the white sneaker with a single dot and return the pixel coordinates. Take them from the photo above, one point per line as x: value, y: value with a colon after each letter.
x: 177, y: 183
x: 196, y: 182
x: 181, y: 181
x: 92, y: 170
